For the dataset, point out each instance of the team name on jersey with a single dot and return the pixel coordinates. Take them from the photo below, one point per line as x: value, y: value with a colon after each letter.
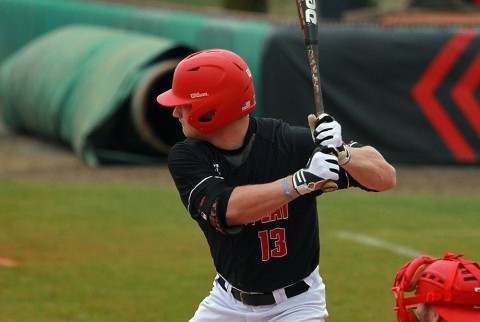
x: 279, y: 214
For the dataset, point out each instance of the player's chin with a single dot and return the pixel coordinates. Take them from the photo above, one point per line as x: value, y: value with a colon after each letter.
x: 191, y: 132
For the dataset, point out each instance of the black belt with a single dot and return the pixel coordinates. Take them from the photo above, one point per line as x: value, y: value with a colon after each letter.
x: 256, y: 299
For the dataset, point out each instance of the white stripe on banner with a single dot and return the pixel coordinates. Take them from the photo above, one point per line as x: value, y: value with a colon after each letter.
x: 378, y: 243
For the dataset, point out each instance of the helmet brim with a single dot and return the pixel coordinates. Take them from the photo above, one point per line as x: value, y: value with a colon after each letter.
x: 169, y: 99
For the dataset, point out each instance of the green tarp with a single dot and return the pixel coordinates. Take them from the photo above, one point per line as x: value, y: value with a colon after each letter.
x: 74, y: 82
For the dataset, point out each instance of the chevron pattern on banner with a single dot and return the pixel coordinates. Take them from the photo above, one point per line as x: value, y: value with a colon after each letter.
x: 463, y: 95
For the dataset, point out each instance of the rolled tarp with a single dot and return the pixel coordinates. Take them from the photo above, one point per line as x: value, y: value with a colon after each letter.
x: 94, y: 88
x: 21, y: 21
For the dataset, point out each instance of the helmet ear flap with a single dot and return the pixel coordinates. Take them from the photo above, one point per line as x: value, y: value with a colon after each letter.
x: 414, y: 276
x: 406, y: 280
x: 408, y: 276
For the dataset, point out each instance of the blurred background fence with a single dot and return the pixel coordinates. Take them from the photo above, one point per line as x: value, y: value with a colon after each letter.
x: 87, y: 74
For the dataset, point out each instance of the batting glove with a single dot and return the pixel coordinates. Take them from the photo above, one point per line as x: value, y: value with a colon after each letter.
x: 321, y: 168
x: 327, y: 131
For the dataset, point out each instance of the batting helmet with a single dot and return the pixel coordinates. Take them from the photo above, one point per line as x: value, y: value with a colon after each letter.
x: 216, y: 82
x: 450, y: 284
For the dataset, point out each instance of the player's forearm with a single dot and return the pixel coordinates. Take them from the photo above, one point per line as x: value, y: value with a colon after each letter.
x: 250, y: 203
x: 370, y: 169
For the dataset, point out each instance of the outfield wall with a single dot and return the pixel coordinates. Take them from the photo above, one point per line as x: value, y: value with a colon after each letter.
x: 413, y: 92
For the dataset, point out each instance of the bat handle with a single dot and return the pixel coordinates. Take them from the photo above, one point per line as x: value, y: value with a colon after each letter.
x: 329, y: 185
x: 311, y: 123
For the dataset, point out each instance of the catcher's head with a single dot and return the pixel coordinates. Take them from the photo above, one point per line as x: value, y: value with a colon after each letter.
x: 218, y: 86
x: 451, y: 285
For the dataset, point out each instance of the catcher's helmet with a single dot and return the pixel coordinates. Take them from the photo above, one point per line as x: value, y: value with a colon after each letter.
x: 216, y: 82
x: 450, y: 284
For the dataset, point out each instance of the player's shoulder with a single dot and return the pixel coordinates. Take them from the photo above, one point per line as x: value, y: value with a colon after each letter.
x: 186, y: 149
x: 271, y: 128
x: 184, y: 145
x: 270, y: 125
x: 266, y: 123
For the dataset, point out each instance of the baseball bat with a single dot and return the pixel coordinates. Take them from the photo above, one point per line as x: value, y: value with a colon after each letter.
x: 308, y: 14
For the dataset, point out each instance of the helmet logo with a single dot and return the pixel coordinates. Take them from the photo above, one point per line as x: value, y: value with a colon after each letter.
x: 246, y: 105
x: 198, y: 95
x: 249, y: 73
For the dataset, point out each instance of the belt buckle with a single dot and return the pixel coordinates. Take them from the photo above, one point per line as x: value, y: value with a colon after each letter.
x: 241, y: 296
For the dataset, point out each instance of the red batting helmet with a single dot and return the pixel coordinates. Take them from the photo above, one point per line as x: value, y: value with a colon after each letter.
x: 215, y: 81
x: 450, y: 284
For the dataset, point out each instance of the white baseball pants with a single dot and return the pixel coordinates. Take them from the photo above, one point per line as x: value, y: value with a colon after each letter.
x: 220, y: 306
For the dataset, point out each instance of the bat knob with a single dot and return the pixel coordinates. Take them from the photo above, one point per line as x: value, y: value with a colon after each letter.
x: 329, y: 186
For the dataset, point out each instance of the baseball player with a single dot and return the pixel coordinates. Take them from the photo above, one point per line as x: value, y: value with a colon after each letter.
x: 446, y: 290
x: 251, y: 185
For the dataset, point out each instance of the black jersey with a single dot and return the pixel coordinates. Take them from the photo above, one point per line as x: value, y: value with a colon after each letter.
x: 278, y: 250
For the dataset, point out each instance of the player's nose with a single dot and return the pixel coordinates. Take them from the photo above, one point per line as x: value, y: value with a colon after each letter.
x: 177, y: 112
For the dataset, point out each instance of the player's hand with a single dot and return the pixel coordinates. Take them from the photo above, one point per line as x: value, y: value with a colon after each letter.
x: 322, y: 167
x: 327, y: 131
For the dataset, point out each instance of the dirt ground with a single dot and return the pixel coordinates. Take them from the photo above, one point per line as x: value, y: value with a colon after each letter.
x: 26, y: 158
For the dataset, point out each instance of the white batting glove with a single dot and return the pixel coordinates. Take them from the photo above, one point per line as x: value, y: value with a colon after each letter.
x: 322, y: 167
x: 327, y: 131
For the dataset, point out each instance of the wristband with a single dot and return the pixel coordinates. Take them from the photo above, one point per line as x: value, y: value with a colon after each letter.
x: 285, y: 188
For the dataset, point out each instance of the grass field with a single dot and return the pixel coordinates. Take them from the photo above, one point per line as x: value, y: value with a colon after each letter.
x: 111, y: 252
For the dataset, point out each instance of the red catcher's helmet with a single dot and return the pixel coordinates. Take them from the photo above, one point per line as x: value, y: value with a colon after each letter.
x: 450, y: 284
x: 214, y: 80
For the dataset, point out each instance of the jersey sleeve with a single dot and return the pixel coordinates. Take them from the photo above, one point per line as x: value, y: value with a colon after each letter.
x: 203, y: 192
